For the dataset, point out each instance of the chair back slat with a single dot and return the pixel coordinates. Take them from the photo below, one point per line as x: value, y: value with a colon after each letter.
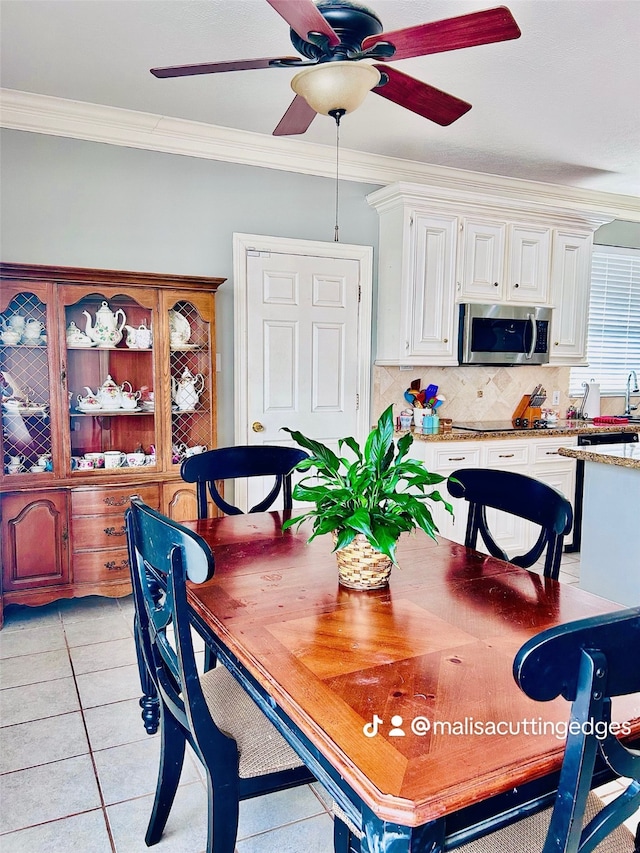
x: 547, y: 665
x: 520, y: 495
x: 208, y: 469
x: 164, y: 554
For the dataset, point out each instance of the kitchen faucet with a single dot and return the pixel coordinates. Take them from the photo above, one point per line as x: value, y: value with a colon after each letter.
x: 628, y: 408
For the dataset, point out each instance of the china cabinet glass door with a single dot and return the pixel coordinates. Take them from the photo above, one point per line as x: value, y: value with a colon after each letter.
x: 110, y: 382
x: 190, y: 371
x: 25, y: 387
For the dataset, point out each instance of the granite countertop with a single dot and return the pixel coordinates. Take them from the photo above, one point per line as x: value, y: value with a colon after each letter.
x: 625, y: 455
x: 562, y: 428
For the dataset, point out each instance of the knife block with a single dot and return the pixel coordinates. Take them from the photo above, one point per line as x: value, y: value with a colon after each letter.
x: 524, y: 411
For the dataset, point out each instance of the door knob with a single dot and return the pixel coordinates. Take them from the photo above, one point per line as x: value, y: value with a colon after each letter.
x: 256, y: 426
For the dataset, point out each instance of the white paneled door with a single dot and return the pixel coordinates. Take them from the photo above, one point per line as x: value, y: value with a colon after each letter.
x: 303, y: 361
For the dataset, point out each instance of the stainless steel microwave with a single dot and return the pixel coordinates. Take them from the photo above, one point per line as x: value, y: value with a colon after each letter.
x: 504, y: 334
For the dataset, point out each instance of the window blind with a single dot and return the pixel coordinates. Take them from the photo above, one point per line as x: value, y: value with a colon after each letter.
x: 613, y: 347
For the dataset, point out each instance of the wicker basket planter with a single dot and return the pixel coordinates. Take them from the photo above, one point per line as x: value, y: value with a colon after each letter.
x: 360, y: 566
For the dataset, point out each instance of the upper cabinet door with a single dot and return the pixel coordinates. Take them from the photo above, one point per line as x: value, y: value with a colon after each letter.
x: 190, y: 374
x: 570, y: 282
x: 110, y: 380
x: 431, y: 296
x: 528, y: 268
x: 483, y: 251
x: 26, y: 437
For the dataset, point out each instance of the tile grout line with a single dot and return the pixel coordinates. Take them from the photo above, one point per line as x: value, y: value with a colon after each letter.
x: 103, y: 805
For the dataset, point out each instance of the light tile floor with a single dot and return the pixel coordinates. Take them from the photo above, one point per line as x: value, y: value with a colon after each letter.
x: 77, y: 770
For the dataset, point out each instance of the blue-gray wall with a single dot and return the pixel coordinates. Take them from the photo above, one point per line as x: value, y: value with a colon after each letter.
x: 73, y: 203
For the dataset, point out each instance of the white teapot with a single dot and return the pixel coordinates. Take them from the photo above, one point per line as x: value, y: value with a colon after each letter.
x: 106, y: 332
x: 13, y: 323
x: 110, y: 394
x: 186, y: 391
x: 32, y: 330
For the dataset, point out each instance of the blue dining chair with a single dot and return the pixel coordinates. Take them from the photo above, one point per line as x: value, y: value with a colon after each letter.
x: 519, y: 495
x: 241, y: 751
x: 208, y: 469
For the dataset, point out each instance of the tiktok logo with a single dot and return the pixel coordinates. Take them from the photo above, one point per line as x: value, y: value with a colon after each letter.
x: 371, y: 729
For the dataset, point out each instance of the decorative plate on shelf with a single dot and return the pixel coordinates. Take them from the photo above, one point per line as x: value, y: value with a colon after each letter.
x: 179, y: 328
x: 27, y: 410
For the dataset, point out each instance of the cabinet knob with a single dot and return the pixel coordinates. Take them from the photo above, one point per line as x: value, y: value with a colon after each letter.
x: 445, y: 340
x: 516, y: 284
x: 495, y: 284
x: 555, y: 343
x: 256, y: 426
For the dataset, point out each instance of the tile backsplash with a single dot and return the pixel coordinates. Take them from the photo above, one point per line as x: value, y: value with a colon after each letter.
x: 501, y: 387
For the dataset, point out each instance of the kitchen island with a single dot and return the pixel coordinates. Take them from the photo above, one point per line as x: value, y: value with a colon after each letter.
x: 610, y: 551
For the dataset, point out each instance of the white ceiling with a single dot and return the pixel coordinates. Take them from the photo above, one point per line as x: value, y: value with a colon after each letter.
x: 561, y: 104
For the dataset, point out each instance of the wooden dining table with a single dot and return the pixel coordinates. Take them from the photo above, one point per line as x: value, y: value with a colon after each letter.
x: 401, y: 701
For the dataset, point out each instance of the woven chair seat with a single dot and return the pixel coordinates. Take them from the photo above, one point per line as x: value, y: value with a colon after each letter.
x: 261, y: 747
x: 528, y: 835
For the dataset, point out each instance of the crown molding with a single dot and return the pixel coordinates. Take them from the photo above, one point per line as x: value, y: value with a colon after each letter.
x: 53, y: 116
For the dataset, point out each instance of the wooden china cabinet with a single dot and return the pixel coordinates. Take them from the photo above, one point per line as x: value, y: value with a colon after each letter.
x: 63, y: 371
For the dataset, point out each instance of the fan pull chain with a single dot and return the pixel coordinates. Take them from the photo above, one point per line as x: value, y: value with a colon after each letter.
x: 337, y: 115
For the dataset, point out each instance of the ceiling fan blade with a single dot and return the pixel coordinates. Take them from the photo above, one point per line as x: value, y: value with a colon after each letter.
x: 420, y: 98
x: 296, y: 119
x: 303, y: 17
x: 233, y: 65
x: 486, y: 27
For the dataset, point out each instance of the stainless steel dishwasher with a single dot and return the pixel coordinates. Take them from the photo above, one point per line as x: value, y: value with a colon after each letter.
x: 585, y: 440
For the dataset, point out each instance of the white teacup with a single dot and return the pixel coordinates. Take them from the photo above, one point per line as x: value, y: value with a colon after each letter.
x: 14, y: 468
x: 193, y: 451
x: 37, y: 469
x: 134, y: 460
x: 114, y: 458
x: 85, y: 464
x: 96, y: 458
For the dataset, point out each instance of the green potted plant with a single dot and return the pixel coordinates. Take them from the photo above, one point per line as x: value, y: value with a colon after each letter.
x: 366, y: 502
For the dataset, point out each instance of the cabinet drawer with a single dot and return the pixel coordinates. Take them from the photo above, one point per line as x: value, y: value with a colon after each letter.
x: 507, y: 456
x: 90, y: 533
x: 101, y: 501
x: 452, y: 458
x: 548, y: 451
x: 97, y: 566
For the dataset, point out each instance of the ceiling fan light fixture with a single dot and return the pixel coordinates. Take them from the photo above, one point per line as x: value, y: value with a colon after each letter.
x: 335, y: 86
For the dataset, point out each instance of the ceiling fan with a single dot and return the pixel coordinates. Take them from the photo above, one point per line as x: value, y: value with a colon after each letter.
x: 346, y: 40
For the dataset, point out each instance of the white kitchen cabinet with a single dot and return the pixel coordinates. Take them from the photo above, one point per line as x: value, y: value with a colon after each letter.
x: 534, y: 457
x: 441, y: 244
x: 570, y: 286
x: 483, y: 259
x: 417, y: 323
x: 443, y: 458
x: 504, y: 262
x: 528, y: 270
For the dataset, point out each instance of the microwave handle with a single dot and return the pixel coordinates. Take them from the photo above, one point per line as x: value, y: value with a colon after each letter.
x: 534, y: 336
